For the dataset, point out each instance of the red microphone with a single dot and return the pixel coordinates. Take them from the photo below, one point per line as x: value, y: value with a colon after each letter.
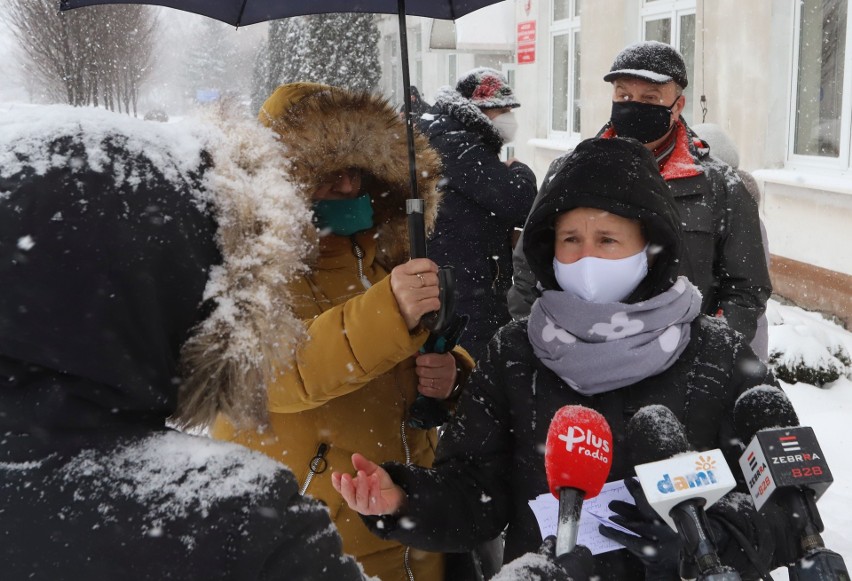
x: 577, y: 459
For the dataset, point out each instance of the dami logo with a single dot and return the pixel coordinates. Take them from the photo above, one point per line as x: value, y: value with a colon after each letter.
x: 703, y: 476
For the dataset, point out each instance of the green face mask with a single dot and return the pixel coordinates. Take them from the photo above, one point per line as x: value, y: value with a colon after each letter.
x: 344, y: 217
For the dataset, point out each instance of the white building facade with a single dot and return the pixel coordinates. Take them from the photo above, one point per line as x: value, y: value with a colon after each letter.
x: 776, y: 75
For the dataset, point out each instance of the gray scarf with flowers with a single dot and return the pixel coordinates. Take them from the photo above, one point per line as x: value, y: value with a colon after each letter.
x: 599, y: 347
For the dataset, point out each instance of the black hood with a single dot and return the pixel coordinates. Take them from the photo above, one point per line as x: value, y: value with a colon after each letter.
x: 103, y: 266
x: 619, y: 176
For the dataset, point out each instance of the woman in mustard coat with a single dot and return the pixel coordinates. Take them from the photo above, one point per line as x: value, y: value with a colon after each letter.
x: 357, y: 369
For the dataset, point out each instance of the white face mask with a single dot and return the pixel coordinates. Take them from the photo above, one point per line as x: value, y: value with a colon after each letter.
x: 600, y: 280
x: 506, y: 125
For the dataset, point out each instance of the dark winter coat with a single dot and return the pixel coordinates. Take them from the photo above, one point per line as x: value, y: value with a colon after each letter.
x: 105, y: 253
x: 418, y: 105
x: 494, y: 447
x: 490, y: 460
x: 722, y: 248
x: 483, y: 201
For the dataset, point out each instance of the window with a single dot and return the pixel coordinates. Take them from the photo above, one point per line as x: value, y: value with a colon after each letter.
x: 673, y: 22
x: 392, y: 64
x: 418, y: 58
x: 820, y: 115
x: 565, y: 68
x: 452, y: 70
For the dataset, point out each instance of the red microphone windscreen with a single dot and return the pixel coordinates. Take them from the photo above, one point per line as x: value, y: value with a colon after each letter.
x: 578, y: 453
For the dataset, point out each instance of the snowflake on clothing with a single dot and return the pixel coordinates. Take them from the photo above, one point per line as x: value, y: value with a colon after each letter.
x: 619, y: 327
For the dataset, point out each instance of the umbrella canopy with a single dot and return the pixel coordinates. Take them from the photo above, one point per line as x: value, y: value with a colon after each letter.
x: 245, y: 12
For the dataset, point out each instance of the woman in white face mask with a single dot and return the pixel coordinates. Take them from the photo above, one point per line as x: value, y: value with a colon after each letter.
x: 615, y: 329
x: 599, y: 257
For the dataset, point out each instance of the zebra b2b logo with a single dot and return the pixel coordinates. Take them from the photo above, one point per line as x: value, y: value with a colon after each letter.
x: 784, y: 457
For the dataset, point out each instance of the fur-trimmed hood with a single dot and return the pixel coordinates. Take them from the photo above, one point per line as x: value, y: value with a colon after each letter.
x: 334, y: 129
x: 264, y: 235
x: 267, y: 238
x: 451, y: 103
x: 145, y: 268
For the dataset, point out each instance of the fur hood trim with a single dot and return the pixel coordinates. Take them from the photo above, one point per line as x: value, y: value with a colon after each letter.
x: 331, y: 130
x: 450, y: 102
x: 251, y: 331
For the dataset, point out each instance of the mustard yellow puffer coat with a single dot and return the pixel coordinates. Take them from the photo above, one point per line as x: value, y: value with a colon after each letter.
x: 352, y: 379
x: 350, y: 391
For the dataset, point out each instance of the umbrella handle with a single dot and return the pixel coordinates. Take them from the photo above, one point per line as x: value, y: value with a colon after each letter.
x: 427, y: 412
x: 436, y: 321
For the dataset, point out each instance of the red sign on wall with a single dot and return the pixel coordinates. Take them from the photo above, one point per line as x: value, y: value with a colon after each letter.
x: 526, y: 42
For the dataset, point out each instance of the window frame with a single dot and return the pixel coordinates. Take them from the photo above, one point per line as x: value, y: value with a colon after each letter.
x: 570, y: 27
x: 673, y: 10
x: 842, y: 164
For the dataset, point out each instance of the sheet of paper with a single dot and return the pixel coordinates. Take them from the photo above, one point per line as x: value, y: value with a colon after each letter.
x: 595, y: 512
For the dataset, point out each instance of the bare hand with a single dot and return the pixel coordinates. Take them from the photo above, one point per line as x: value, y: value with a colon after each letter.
x: 510, y: 161
x: 371, y: 491
x: 437, y: 374
x: 415, y: 287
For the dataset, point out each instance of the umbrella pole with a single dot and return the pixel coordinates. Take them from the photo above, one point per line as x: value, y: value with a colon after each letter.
x: 414, y: 205
x: 444, y: 327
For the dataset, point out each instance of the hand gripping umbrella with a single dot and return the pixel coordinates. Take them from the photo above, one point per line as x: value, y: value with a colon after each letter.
x: 445, y: 328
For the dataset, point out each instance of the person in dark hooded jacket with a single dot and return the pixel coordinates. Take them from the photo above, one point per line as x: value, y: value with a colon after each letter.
x: 616, y: 329
x: 108, y: 240
x: 484, y: 197
x: 417, y: 104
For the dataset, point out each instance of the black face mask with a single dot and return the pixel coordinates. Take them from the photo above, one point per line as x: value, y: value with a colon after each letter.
x: 643, y: 122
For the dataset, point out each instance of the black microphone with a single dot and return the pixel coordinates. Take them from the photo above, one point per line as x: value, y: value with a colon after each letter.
x: 678, y: 485
x: 784, y: 463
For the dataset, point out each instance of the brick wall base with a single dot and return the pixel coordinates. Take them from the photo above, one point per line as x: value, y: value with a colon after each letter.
x: 813, y: 288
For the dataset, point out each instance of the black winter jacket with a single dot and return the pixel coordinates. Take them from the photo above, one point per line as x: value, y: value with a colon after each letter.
x: 146, y: 503
x: 490, y: 460
x: 483, y: 201
x: 723, y: 251
x: 105, y: 253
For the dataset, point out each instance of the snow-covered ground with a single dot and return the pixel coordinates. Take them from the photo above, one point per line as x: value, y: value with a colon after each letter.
x: 827, y: 410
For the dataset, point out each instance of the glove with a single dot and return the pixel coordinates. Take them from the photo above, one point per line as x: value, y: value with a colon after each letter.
x: 657, y: 545
x: 577, y: 565
x: 750, y: 541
